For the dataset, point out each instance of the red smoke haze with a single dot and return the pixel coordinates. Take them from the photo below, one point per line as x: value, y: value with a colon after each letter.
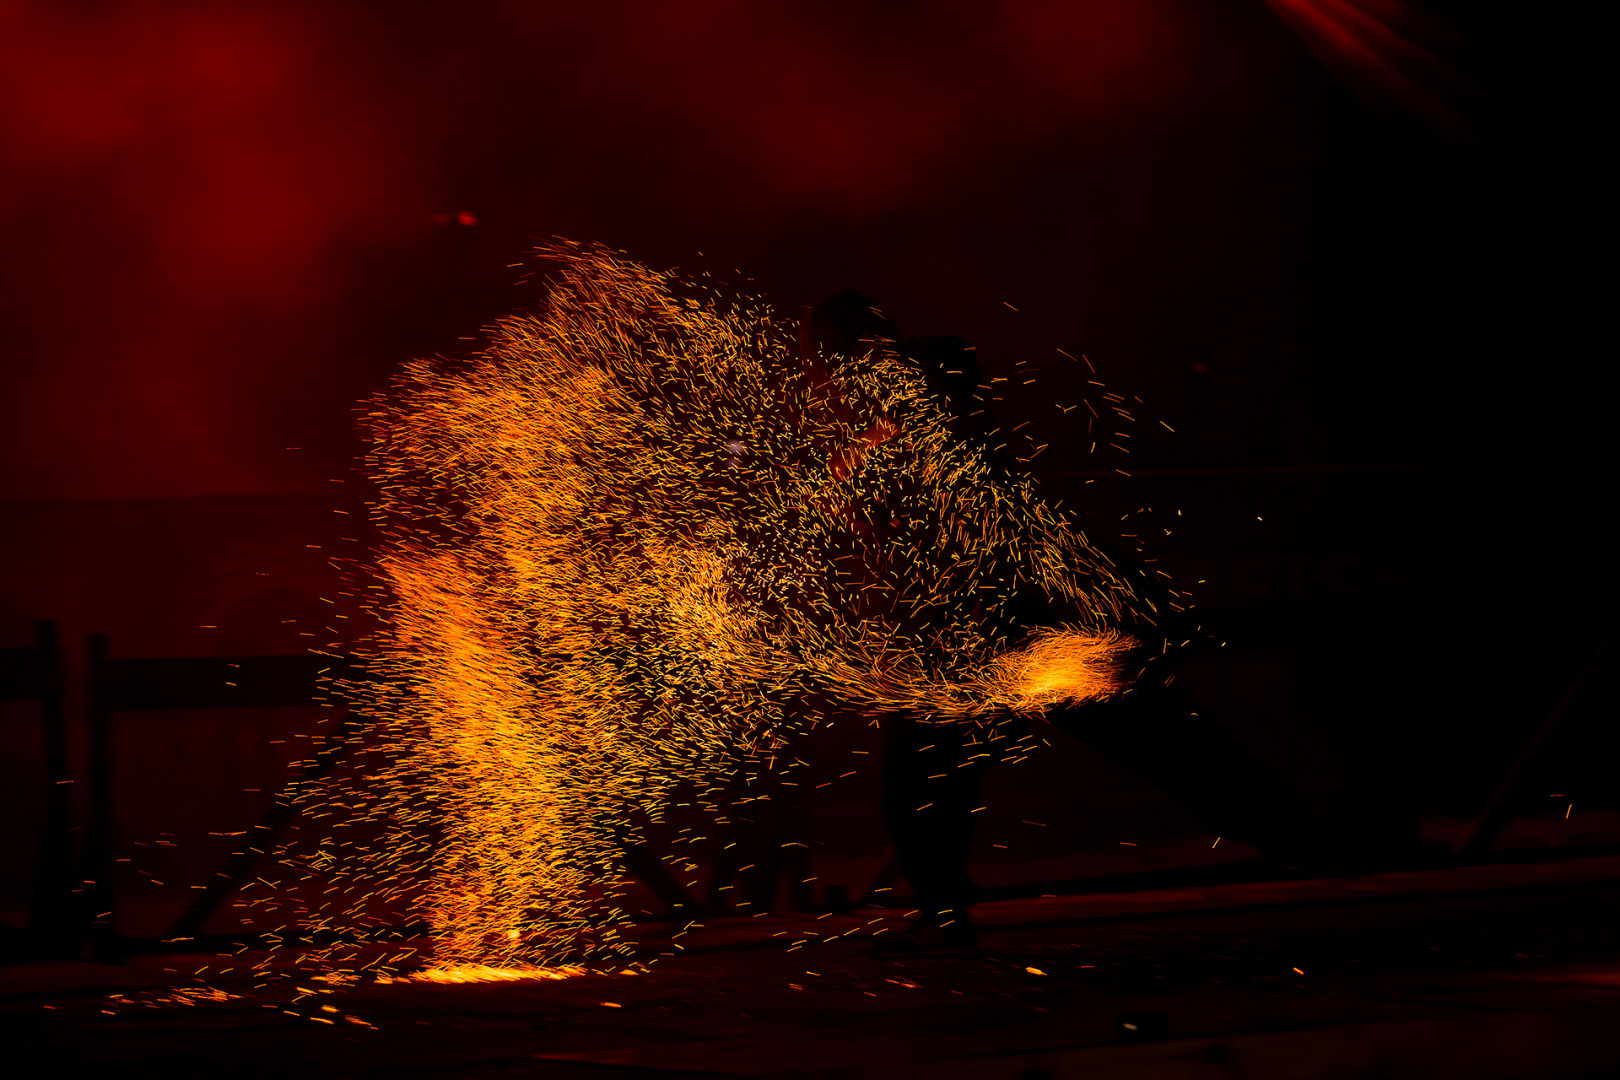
x: 218, y: 219
x: 181, y: 182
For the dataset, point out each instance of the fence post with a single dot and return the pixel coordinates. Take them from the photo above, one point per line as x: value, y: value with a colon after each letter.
x: 49, y: 917
x: 99, y: 915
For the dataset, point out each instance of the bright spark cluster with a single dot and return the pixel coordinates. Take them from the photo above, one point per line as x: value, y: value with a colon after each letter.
x: 643, y: 539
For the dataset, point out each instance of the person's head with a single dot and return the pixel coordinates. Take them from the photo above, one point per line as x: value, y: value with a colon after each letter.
x: 836, y: 326
x: 952, y: 373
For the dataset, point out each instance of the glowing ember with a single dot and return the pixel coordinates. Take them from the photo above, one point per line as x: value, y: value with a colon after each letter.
x: 642, y: 539
x: 470, y: 973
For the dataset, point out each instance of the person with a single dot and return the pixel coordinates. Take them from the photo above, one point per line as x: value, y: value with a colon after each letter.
x: 931, y: 771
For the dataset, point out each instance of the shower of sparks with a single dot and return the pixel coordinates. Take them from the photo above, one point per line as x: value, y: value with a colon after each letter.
x: 645, y: 538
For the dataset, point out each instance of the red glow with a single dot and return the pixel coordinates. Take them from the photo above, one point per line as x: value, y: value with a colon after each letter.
x: 179, y: 178
x: 194, y: 195
x: 1378, y: 47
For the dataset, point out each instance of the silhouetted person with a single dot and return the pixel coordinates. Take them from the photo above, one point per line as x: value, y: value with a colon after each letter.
x: 931, y: 771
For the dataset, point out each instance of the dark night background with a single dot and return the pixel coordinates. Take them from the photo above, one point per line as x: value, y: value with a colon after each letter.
x: 1348, y: 254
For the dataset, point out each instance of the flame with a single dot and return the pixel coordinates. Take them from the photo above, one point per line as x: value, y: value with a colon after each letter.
x: 640, y: 540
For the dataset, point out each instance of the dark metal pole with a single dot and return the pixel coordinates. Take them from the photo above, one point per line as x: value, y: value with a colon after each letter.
x: 49, y: 918
x: 99, y: 914
x: 235, y: 871
x: 640, y: 861
x: 1493, y: 814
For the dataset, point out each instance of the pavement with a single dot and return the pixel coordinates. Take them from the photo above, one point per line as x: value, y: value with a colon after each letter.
x: 1487, y: 971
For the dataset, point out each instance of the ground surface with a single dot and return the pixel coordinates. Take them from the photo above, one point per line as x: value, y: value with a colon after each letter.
x: 1490, y: 971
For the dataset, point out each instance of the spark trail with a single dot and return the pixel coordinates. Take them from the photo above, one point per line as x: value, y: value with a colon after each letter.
x: 644, y: 538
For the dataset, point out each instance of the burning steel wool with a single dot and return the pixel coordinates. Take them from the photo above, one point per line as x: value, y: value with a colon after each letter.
x: 646, y: 537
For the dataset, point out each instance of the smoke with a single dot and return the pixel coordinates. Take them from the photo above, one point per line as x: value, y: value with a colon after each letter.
x: 223, y: 222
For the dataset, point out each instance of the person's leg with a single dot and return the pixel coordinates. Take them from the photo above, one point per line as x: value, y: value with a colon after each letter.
x: 930, y: 784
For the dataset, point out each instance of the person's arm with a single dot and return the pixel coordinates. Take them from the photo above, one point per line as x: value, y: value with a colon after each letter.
x: 847, y: 461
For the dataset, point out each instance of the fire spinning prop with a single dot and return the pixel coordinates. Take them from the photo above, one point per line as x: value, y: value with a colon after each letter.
x: 647, y: 538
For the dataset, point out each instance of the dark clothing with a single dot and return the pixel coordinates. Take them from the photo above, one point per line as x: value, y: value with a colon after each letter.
x: 931, y: 770
x: 930, y: 788
x: 931, y: 780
